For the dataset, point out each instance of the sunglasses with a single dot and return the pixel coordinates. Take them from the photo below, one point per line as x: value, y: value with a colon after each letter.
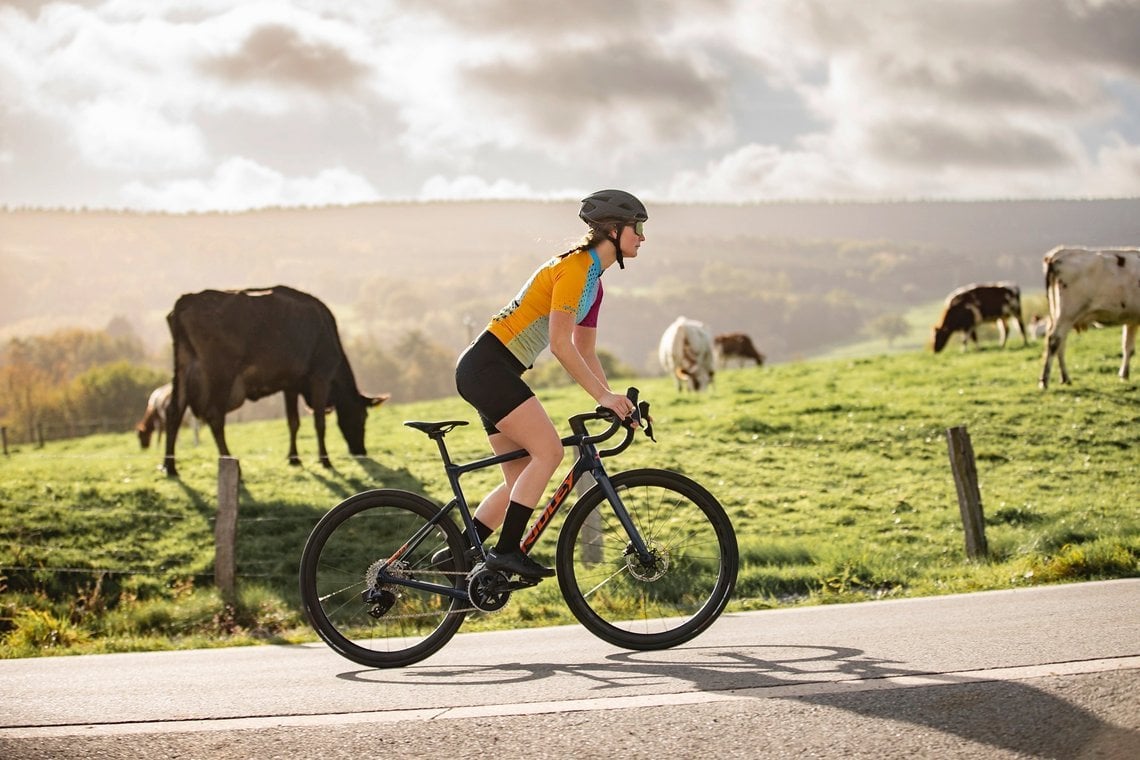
x: 639, y: 228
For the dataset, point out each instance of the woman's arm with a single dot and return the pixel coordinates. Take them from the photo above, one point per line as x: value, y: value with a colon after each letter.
x: 585, y: 339
x: 565, y: 345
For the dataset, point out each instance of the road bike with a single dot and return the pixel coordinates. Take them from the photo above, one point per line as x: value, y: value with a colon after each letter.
x: 646, y: 559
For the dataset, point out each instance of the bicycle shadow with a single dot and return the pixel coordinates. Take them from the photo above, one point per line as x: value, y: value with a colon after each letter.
x: 975, y: 709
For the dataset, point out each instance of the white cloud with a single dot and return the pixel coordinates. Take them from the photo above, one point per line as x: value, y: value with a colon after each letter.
x: 1116, y: 171
x: 722, y: 99
x: 439, y: 188
x: 763, y: 172
x: 240, y: 184
x: 130, y: 137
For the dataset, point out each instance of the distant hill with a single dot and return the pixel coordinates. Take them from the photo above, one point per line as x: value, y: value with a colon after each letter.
x: 798, y: 276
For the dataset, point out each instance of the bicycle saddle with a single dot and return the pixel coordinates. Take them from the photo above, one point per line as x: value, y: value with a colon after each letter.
x: 434, y: 429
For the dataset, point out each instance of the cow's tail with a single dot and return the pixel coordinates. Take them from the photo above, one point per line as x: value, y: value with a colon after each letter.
x: 180, y: 343
x: 176, y: 337
x: 1052, y: 288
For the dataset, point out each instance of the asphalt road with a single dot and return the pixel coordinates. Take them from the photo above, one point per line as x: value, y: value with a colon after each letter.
x: 1049, y: 672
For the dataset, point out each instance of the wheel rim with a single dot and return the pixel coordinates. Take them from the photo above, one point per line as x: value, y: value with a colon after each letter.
x: 375, y: 623
x: 660, y: 604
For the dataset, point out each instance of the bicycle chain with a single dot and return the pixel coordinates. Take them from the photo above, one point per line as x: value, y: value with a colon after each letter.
x: 472, y: 608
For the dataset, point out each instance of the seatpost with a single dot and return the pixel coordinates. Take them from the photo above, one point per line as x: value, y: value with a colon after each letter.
x: 438, y: 438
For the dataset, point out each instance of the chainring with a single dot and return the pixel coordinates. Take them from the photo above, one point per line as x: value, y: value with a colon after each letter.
x: 488, y: 590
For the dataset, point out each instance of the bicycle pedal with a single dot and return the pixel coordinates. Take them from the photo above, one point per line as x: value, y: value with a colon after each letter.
x: 521, y: 582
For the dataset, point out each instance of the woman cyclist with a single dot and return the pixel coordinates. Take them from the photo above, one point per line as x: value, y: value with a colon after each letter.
x: 557, y: 307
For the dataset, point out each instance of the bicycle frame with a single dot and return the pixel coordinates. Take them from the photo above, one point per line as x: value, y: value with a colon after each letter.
x: 589, y: 461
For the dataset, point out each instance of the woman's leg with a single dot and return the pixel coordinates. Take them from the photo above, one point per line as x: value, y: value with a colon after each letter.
x: 528, y: 427
x: 494, y: 505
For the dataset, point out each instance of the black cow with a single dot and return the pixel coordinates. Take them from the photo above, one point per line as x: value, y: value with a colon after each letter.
x: 972, y: 305
x: 230, y: 346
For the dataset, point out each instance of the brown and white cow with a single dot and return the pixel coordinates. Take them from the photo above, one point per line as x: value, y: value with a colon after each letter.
x: 736, y: 345
x: 686, y: 353
x: 973, y: 305
x: 1089, y: 285
x: 154, y: 418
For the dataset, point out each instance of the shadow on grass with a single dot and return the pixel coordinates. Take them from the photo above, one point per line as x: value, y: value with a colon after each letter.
x: 271, y: 533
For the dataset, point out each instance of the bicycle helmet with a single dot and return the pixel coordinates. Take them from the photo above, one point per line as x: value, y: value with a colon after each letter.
x: 613, y: 206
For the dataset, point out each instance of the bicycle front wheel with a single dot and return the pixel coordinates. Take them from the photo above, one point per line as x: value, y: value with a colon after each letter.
x: 657, y: 605
x: 371, y: 623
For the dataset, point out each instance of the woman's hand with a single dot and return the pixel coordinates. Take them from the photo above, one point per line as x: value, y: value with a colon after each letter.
x: 619, y: 404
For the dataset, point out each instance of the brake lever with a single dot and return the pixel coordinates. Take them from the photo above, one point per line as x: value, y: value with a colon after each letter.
x: 643, y: 411
x: 640, y: 413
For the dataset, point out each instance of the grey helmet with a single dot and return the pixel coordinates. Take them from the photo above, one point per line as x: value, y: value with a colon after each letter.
x: 613, y: 206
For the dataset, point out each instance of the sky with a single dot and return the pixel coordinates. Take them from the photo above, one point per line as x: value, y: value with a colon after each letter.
x: 202, y: 105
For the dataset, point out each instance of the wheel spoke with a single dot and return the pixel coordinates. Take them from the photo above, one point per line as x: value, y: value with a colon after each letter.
x: 657, y: 605
x: 398, y: 624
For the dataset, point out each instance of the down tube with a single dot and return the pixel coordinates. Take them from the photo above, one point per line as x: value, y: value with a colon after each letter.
x: 551, y: 509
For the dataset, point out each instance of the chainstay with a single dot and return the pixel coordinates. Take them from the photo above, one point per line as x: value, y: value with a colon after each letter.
x: 411, y: 616
x: 472, y: 608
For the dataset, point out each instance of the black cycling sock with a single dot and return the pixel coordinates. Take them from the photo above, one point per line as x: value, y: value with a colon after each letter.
x: 514, y: 525
x: 482, y: 530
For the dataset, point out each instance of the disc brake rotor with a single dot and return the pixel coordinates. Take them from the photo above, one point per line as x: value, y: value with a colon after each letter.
x: 653, y: 571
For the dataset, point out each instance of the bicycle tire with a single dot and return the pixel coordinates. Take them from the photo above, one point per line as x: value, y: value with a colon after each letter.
x: 345, y: 547
x: 641, y: 608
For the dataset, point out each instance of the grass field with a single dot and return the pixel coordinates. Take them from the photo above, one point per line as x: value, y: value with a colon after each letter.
x: 835, y: 473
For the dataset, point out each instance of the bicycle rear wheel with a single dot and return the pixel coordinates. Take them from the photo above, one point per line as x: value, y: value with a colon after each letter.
x: 655, y: 606
x: 398, y: 625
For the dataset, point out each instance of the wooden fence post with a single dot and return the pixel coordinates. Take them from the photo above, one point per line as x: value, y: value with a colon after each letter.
x: 225, y: 527
x: 4, y: 435
x: 969, y: 497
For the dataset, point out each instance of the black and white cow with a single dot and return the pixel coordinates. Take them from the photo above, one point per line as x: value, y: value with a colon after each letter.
x: 1084, y: 286
x: 972, y: 305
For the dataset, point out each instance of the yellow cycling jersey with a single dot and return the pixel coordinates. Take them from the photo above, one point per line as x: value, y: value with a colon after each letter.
x: 567, y: 283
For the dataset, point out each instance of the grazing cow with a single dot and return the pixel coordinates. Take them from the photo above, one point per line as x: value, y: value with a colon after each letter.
x: 154, y: 419
x: 230, y: 346
x: 1086, y: 286
x: 972, y: 305
x: 686, y: 352
x: 736, y: 345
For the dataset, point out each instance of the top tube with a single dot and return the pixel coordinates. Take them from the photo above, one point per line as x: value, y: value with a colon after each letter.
x: 579, y: 438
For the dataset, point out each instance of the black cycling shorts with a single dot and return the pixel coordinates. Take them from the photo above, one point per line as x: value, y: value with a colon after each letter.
x: 489, y: 377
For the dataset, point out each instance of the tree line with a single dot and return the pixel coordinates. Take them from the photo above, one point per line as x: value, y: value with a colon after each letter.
x: 64, y: 382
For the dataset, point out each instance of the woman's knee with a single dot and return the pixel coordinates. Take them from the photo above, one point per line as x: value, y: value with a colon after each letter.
x: 531, y: 429
x: 548, y: 453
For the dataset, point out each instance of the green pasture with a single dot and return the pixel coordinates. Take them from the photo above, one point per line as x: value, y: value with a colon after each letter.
x: 835, y: 473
